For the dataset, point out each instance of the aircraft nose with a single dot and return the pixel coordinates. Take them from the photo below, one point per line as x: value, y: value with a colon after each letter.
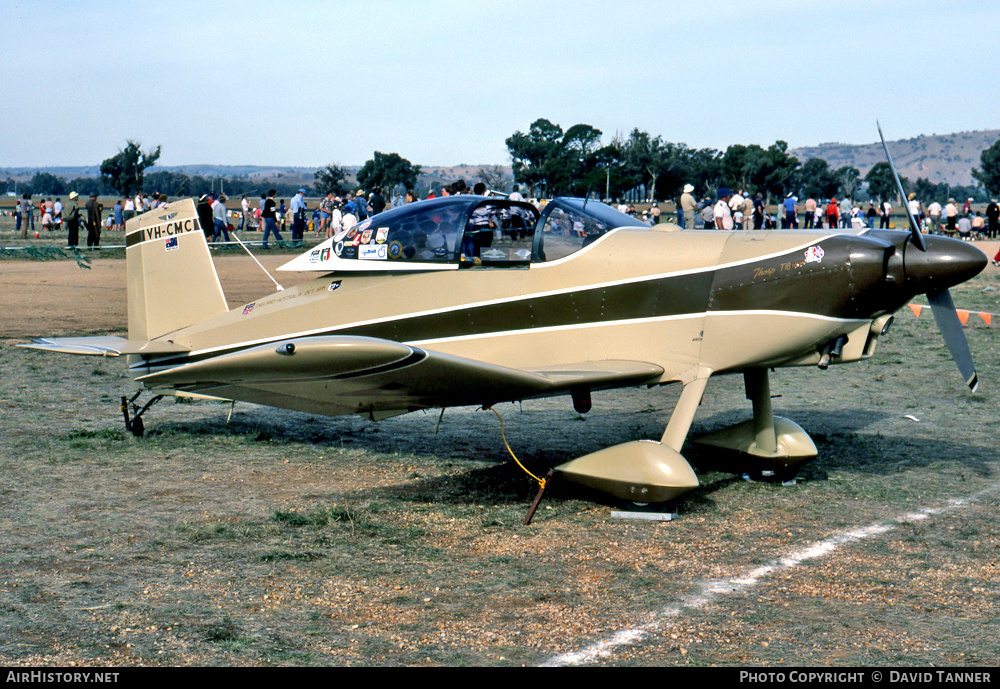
x: 946, y: 262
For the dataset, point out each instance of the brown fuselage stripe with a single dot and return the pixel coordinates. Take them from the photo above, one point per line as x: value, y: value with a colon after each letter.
x: 781, y: 283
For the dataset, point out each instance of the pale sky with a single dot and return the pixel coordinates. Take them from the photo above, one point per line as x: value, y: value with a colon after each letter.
x: 446, y: 82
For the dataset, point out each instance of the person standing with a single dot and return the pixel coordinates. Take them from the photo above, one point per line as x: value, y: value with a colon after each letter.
x: 244, y: 213
x: 688, y: 206
x: 871, y: 214
x: 791, y: 213
x: 951, y: 216
x: 376, y: 201
x: 93, y: 223
x: 810, y: 211
x: 73, y: 220
x: 336, y: 223
x: 845, y: 211
x: 361, y: 209
x: 758, y: 211
x: 934, y: 213
x: 205, y: 216
x: 884, y: 215
x: 833, y: 214
x: 298, y: 208
x: 57, y: 215
x: 992, y: 219
x: 721, y: 213
x: 325, y: 214
x: 270, y: 217
x: 220, y: 219
x: 27, y: 216
x: 914, y: 207
x: 119, y: 211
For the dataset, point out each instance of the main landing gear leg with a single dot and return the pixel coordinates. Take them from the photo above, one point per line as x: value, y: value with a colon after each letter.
x: 135, y: 426
x: 770, y: 446
x: 644, y: 471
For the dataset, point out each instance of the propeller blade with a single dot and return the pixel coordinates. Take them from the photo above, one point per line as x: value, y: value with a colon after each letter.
x: 915, y: 234
x: 946, y: 316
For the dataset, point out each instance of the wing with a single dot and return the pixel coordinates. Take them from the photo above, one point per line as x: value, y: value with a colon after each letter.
x: 108, y: 345
x: 345, y: 375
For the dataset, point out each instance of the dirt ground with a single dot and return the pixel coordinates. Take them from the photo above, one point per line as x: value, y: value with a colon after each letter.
x: 252, y: 536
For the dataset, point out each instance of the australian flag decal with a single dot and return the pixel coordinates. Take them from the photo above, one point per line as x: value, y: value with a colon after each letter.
x: 248, y: 308
x: 171, y: 243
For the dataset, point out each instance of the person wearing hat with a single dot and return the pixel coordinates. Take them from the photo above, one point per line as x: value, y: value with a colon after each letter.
x: 93, y: 223
x: 73, y: 220
x: 791, y: 212
x: 688, y: 207
x: 359, y: 206
x: 220, y: 219
x: 832, y: 214
x: 723, y: 216
x: 934, y: 211
x: 951, y: 216
x: 298, y: 208
x: 205, y: 216
x: 914, y: 205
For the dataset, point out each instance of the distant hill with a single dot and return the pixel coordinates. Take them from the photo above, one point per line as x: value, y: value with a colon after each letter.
x: 938, y: 157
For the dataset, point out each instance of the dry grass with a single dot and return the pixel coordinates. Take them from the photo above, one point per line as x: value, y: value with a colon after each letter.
x: 288, y: 539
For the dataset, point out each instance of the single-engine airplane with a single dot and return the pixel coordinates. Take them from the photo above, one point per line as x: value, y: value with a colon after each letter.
x: 473, y: 300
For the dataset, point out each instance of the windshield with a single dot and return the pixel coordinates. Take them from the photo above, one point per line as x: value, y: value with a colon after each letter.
x: 570, y: 224
x: 460, y: 229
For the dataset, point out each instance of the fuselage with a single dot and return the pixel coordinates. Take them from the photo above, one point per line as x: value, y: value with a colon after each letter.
x: 688, y: 302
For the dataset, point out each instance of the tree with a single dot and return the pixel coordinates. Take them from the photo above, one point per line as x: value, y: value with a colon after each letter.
x: 989, y: 174
x: 881, y: 184
x: 815, y: 179
x: 850, y: 180
x: 47, y: 184
x: 331, y: 178
x: 646, y: 156
x: 755, y: 169
x: 531, y: 152
x: 124, y: 172
x: 494, y: 177
x: 573, y: 167
x: 386, y: 170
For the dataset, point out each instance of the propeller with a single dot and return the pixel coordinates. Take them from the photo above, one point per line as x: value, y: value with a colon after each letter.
x: 942, y: 305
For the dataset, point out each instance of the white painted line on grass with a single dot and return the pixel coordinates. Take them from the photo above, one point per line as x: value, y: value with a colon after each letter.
x: 711, y: 591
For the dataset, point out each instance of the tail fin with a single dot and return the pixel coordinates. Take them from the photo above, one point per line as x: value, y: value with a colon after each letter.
x: 172, y: 281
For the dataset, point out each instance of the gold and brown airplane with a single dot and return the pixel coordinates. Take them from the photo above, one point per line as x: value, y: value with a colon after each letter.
x: 472, y: 300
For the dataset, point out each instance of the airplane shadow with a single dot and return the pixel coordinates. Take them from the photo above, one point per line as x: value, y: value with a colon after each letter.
x: 843, y: 438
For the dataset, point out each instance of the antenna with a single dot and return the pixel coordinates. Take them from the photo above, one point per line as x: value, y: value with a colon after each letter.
x: 249, y: 253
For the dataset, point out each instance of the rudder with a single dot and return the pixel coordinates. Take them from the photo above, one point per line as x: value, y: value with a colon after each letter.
x: 172, y: 282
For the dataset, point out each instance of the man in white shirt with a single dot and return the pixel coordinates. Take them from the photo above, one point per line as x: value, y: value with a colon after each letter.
x: 723, y: 216
x: 221, y: 217
x: 914, y: 207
